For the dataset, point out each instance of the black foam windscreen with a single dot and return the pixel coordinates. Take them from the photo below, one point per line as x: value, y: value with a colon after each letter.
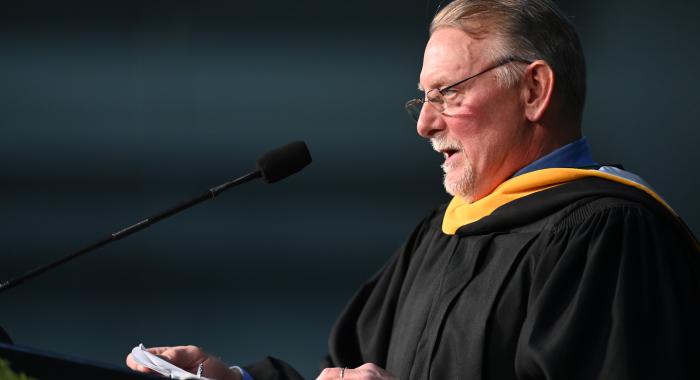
x: 283, y: 161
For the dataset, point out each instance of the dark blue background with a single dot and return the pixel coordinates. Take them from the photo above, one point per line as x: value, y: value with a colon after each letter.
x: 111, y: 111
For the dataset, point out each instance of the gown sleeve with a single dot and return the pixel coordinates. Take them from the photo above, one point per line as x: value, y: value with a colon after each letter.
x: 363, y: 331
x: 272, y: 369
x: 615, y: 295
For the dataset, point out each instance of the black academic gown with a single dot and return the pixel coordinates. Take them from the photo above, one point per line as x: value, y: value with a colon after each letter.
x: 588, y: 280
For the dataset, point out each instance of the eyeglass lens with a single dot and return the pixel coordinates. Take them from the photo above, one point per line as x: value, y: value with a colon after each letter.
x: 413, y: 107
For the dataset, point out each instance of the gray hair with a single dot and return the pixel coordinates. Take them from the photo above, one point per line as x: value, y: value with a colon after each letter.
x: 529, y: 30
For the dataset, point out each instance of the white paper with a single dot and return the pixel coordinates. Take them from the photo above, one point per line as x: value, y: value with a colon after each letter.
x: 160, y: 365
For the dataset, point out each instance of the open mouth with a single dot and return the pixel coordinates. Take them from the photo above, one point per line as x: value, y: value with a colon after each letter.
x: 449, y: 152
x: 449, y: 148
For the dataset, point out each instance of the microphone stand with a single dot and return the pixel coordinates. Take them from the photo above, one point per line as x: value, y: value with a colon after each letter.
x: 209, y: 194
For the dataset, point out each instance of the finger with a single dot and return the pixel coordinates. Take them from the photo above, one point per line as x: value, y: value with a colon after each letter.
x: 339, y: 373
x: 158, y: 350
x: 369, y: 371
x: 144, y: 369
x: 131, y: 363
x: 184, y: 356
x: 166, y: 353
x: 331, y: 373
x: 352, y: 374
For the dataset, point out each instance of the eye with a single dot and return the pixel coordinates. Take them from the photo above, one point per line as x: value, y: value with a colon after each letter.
x: 449, y: 92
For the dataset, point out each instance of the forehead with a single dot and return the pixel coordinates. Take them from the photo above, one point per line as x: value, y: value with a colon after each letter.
x: 450, y: 54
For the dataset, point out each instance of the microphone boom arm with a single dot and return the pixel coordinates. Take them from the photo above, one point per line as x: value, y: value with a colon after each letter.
x: 209, y: 194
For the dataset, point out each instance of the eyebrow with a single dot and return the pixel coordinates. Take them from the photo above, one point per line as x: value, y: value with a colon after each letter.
x: 440, y: 81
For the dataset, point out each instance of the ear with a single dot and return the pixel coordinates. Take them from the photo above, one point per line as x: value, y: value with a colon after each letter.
x: 538, y: 86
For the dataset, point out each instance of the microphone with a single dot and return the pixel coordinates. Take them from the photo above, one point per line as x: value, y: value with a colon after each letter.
x: 284, y: 161
x: 272, y: 166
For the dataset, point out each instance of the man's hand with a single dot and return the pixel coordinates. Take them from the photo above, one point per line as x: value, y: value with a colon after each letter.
x: 367, y: 371
x: 189, y: 358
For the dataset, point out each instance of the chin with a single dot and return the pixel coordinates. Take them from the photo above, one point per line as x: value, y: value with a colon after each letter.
x: 460, y: 182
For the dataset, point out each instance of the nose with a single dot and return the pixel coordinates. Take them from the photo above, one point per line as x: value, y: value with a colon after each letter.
x: 430, y: 121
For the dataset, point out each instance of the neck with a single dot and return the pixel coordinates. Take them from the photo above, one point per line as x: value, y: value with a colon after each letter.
x: 540, y: 140
x: 551, y: 133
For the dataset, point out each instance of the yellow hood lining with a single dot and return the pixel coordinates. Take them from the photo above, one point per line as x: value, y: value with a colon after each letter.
x: 459, y: 212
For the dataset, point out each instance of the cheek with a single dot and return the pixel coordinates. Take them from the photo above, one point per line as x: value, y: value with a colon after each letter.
x: 485, y: 130
x: 465, y: 122
x: 471, y: 126
x: 491, y: 112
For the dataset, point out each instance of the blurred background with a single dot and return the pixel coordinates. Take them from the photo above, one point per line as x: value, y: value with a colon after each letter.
x: 111, y: 111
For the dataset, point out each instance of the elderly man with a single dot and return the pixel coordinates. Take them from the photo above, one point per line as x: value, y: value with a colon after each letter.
x: 545, y: 265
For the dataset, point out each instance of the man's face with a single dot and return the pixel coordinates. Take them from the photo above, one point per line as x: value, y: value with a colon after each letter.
x: 483, y: 135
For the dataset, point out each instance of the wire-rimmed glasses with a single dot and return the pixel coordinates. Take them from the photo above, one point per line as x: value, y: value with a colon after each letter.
x: 438, y: 97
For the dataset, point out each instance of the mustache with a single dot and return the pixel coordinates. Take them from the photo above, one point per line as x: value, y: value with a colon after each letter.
x: 442, y: 143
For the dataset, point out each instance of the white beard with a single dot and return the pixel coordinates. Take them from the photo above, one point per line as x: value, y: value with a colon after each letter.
x: 463, y: 186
